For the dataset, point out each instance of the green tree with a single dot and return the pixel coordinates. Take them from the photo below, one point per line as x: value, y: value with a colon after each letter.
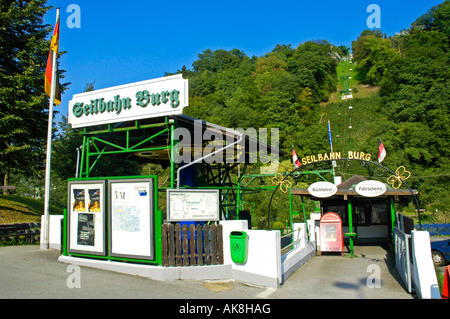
x: 436, y: 19
x: 218, y: 60
x: 67, y: 145
x: 372, y: 54
x: 24, y: 48
x: 359, y: 49
x: 374, y: 65
x: 64, y: 155
x: 415, y: 93
x: 314, y: 64
x: 344, y: 49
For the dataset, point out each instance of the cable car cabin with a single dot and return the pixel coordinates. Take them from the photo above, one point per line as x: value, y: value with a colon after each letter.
x: 365, y: 219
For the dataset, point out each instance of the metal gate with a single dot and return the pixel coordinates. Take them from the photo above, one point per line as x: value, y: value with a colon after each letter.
x: 402, y: 256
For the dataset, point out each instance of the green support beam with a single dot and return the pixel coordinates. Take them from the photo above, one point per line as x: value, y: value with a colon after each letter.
x: 350, y: 233
x: 91, y: 138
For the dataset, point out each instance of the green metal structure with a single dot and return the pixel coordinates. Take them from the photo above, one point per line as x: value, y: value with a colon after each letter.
x: 154, y: 140
x: 156, y: 230
x: 157, y: 141
x: 349, y: 196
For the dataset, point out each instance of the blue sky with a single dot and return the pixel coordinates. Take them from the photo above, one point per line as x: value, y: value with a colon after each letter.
x: 121, y: 42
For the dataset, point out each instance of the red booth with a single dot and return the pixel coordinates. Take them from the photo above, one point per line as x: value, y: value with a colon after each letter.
x: 331, y: 236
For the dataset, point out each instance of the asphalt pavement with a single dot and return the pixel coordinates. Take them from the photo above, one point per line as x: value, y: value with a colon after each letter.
x: 371, y: 274
x: 27, y: 272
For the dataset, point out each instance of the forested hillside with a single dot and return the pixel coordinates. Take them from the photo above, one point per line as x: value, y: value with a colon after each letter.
x: 400, y: 95
x: 400, y: 87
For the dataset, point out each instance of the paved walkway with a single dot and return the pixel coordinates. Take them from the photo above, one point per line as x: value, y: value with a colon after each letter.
x: 370, y: 275
x: 28, y: 272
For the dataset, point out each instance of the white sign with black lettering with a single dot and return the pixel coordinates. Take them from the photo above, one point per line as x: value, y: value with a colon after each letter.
x: 322, y: 189
x: 146, y: 99
x: 370, y: 188
x: 192, y: 205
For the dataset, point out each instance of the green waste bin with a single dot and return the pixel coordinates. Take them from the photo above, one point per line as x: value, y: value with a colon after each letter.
x: 239, y: 246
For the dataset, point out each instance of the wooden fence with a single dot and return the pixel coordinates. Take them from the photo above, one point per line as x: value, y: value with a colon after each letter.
x: 183, y: 246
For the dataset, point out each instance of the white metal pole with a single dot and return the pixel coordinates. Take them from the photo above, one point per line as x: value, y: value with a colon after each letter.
x: 44, y: 241
x: 333, y: 163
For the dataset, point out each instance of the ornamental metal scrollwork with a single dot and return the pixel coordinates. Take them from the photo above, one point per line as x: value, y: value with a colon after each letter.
x: 396, y: 180
x: 284, y: 184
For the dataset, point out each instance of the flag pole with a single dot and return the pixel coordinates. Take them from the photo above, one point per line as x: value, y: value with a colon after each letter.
x: 333, y: 163
x: 44, y: 242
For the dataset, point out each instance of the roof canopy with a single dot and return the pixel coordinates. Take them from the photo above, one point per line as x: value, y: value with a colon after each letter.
x: 149, y: 140
x: 347, y: 188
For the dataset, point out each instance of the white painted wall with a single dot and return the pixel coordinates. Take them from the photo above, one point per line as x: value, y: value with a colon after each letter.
x: 263, y: 266
x: 422, y: 268
x: 54, y: 240
x: 303, y: 251
x: 299, y: 235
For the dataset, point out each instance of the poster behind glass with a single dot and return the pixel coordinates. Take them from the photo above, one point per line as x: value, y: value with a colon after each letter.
x: 131, y: 217
x: 86, y: 218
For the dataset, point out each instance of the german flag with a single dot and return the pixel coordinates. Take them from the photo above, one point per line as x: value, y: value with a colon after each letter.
x: 48, y: 71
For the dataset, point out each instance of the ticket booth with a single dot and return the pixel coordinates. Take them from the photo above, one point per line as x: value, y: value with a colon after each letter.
x: 331, y: 236
x: 366, y: 213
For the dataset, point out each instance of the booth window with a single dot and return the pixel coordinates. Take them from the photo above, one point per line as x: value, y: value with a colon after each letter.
x: 370, y: 214
x: 361, y: 214
x: 378, y: 215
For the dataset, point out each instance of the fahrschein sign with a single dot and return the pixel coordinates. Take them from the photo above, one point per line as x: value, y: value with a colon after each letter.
x: 152, y: 98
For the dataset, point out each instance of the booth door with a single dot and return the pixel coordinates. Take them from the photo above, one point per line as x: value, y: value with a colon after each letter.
x: 371, y: 222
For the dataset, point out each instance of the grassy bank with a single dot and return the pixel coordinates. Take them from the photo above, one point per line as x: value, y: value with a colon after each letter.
x: 18, y: 209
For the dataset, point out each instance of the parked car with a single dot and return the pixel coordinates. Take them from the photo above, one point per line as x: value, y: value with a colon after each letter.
x: 440, y: 251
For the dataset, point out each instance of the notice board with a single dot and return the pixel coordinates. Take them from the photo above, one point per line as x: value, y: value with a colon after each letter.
x: 131, y: 218
x: 192, y: 205
x: 86, y: 217
x: 331, y: 236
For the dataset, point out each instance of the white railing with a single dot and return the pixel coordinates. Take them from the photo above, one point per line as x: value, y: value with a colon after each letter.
x: 298, y: 239
x: 402, y: 259
x: 301, y: 250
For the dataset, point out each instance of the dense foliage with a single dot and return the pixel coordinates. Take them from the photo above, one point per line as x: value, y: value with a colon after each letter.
x: 24, y: 48
x: 282, y: 89
x: 287, y: 88
x: 400, y: 86
x: 412, y: 69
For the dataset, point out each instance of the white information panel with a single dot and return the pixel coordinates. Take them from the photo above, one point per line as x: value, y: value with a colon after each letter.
x: 86, y: 220
x: 192, y: 205
x: 131, y: 218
